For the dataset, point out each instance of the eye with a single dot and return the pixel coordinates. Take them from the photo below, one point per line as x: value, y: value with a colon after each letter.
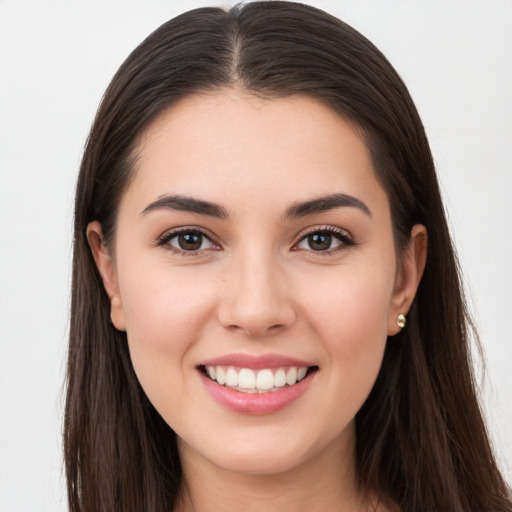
x: 187, y: 241
x: 325, y: 240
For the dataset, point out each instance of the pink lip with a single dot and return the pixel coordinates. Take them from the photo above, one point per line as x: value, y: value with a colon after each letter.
x: 256, y: 362
x: 256, y: 403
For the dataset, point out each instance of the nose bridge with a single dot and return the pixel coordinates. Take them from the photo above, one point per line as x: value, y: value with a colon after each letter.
x: 255, y: 298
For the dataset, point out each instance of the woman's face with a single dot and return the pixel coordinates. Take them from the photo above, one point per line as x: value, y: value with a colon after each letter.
x: 254, y: 245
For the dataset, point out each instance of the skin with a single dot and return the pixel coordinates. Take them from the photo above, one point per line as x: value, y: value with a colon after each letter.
x: 259, y: 287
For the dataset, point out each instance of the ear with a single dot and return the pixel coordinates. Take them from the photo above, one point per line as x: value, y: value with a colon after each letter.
x: 107, y: 270
x: 408, y: 276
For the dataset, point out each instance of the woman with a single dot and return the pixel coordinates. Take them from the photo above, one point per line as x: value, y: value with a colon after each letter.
x: 266, y: 304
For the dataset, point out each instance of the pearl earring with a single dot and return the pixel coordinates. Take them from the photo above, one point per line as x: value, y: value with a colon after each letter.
x: 400, y: 321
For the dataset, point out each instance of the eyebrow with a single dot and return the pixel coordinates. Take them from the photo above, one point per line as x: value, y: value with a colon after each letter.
x: 324, y: 204
x: 187, y: 204
x: 302, y: 209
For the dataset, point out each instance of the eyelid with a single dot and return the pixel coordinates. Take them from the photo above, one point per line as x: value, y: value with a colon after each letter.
x: 162, y: 240
x: 346, y: 238
x: 343, y: 235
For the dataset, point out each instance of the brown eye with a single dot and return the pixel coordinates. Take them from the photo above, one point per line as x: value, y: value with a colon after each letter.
x: 319, y: 241
x: 326, y: 240
x: 189, y: 241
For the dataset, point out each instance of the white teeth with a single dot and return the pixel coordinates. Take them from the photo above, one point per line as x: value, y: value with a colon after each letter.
x: 231, y: 377
x: 291, y: 376
x: 279, y: 378
x: 254, y: 381
x: 265, y: 380
x: 246, y: 379
x: 220, y: 375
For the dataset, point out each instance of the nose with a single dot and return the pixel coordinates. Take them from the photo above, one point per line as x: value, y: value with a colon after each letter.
x: 257, y: 298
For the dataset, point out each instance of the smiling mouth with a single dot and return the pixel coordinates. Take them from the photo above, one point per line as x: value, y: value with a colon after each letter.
x: 265, y: 380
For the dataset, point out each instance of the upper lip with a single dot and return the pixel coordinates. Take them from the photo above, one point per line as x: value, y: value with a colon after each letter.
x: 256, y: 362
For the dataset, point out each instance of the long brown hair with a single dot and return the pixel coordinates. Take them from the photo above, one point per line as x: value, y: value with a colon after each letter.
x: 421, y: 440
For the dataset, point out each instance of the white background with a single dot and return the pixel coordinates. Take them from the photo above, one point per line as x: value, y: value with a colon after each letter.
x: 56, y: 59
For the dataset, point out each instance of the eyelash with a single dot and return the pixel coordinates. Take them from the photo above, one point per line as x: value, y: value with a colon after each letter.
x: 164, y: 240
x: 342, y: 235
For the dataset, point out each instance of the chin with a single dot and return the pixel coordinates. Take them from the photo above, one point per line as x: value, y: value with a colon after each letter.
x: 270, y: 456
x: 260, y: 464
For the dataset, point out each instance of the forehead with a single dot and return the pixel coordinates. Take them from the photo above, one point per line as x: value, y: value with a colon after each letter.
x: 231, y: 146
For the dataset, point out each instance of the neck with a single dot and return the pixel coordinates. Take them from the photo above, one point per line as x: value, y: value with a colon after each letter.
x: 326, y: 482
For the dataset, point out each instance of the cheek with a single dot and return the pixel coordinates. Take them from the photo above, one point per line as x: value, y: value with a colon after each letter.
x: 351, y: 319
x: 166, y: 303
x: 355, y: 305
x: 165, y: 314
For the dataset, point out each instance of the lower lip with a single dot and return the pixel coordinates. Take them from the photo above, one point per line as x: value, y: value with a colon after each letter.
x: 256, y: 403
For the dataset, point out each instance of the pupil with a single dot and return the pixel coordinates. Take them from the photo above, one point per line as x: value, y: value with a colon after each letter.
x: 319, y: 241
x: 189, y: 241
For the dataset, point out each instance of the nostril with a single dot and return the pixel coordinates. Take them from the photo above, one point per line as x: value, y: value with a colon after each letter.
x: 257, y: 324
x: 255, y: 302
